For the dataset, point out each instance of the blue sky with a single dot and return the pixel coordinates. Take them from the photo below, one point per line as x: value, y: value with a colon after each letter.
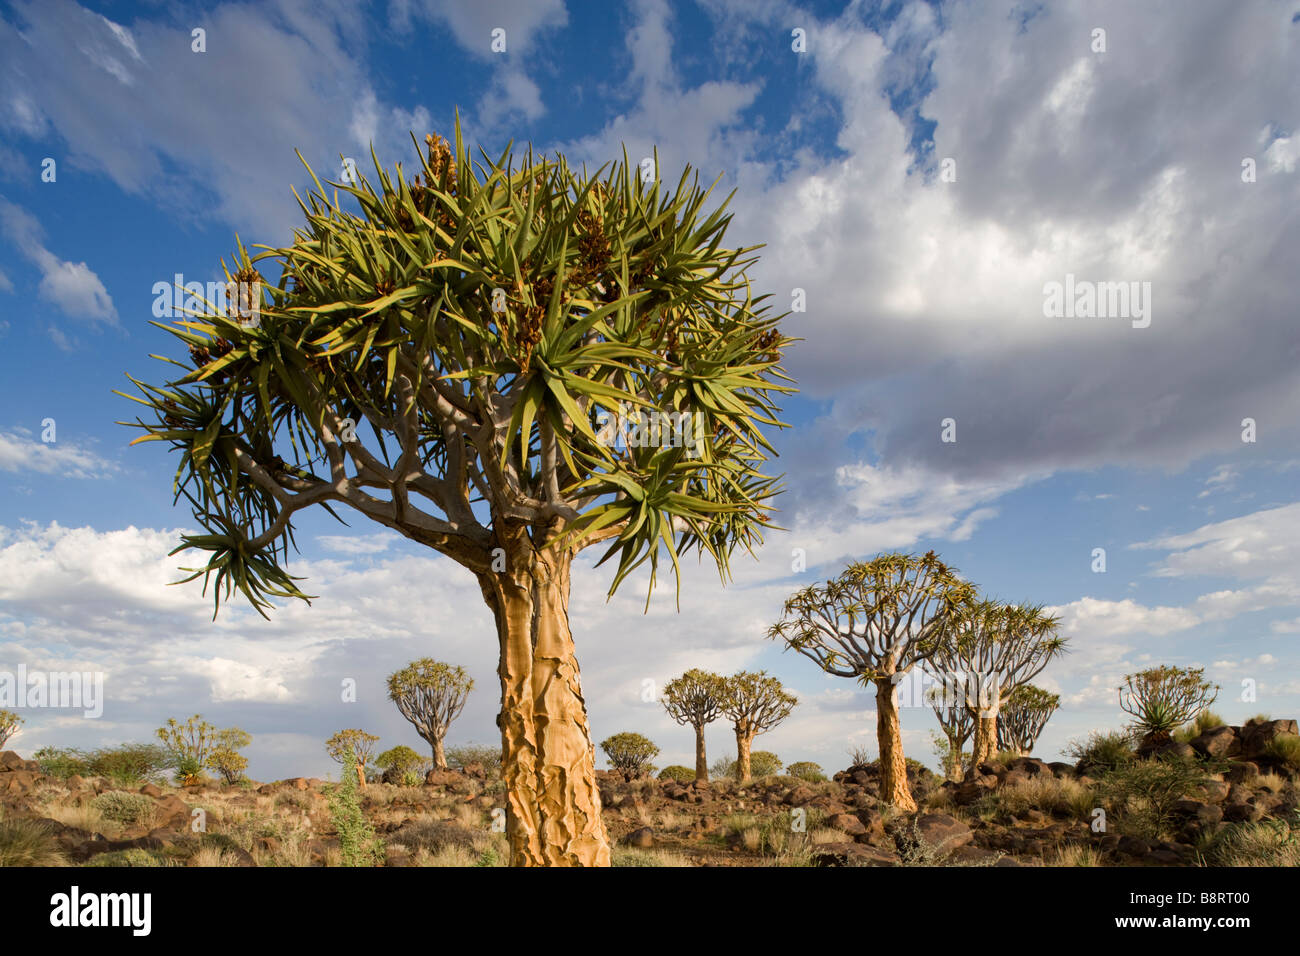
x: 925, y: 302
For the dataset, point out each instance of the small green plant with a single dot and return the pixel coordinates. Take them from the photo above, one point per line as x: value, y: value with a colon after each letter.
x: 357, y: 841
x: 1286, y: 748
x: 458, y: 758
x: 723, y: 768
x: 401, y: 765
x: 807, y: 771
x: 122, y: 807
x: 677, y: 772
x: 1102, y: 752
x: 764, y: 763
x: 1267, y: 843
x: 62, y: 762
x: 1142, y: 794
x: 488, y: 858
x: 1206, y: 720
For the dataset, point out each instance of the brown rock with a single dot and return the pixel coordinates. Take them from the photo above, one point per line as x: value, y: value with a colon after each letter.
x: 642, y: 838
x: 847, y: 823
x: 149, y: 790
x: 1217, y: 742
x: 852, y: 854
x: 942, y: 831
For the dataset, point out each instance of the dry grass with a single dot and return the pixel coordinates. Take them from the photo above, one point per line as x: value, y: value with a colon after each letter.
x: 1075, y: 855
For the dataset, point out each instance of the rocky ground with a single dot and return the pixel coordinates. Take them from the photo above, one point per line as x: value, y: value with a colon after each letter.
x: 1237, y: 807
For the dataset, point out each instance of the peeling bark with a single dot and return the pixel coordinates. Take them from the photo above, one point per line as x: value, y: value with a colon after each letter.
x: 985, y: 744
x: 439, y: 755
x: 744, y: 743
x: 893, y: 767
x: 548, y: 761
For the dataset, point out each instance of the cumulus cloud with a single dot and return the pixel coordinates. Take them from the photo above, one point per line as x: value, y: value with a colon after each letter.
x: 71, y: 286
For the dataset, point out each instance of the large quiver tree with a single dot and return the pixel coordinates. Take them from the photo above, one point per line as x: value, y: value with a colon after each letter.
x: 439, y: 355
x: 755, y: 702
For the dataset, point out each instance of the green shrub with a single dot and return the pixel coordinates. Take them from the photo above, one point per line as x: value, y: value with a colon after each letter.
x: 26, y: 842
x: 1286, y: 748
x: 123, y: 807
x: 1205, y: 720
x: 458, y: 758
x: 764, y: 763
x: 630, y: 754
x: 129, y: 765
x: 723, y: 768
x: 1102, y: 752
x: 401, y: 765
x: 357, y: 840
x: 806, y: 770
x: 677, y: 772
x: 1142, y: 794
x: 62, y: 762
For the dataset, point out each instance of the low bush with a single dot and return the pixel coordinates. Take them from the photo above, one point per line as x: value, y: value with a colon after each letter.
x: 807, y: 771
x: 677, y: 772
x: 122, y: 807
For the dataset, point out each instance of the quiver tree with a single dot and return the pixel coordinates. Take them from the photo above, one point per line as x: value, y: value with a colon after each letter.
x: 10, y: 723
x: 996, y: 648
x: 629, y: 754
x: 755, y: 703
x: 875, y: 622
x: 1161, y: 699
x: 225, y: 757
x: 695, y: 699
x: 957, y: 723
x: 355, y: 747
x: 189, y: 743
x: 430, y: 695
x: 1023, y: 716
x: 438, y: 355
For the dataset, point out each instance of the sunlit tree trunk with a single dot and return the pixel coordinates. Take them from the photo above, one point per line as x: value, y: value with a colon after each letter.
x: 548, y: 761
x: 744, y: 742
x: 701, y: 761
x: 985, y: 744
x: 893, y: 767
x: 439, y: 754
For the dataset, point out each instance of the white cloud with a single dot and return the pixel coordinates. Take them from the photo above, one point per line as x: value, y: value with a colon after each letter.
x: 72, y: 286
x: 21, y: 453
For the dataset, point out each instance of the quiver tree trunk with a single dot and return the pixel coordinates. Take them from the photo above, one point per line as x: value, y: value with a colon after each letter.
x: 744, y: 742
x: 985, y: 743
x: 361, y: 774
x: 701, y: 761
x: 439, y: 754
x: 893, y: 767
x: 548, y: 761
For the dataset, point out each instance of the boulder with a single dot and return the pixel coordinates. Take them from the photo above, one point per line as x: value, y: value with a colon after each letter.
x: 1033, y: 767
x: 852, y: 854
x: 642, y: 838
x: 1241, y: 771
x: 1217, y: 742
x: 150, y: 790
x: 172, y: 812
x: 847, y: 823
x: 10, y: 761
x: 799, y: 796
x: 1255, y: 738
x: 942, y: 831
